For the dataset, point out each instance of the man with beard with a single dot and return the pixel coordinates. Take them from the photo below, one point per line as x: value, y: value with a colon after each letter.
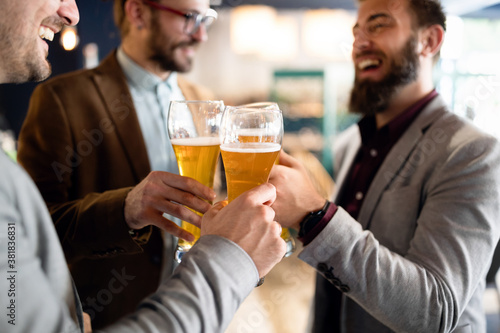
x: 240, y: 242
x: 408, y: 238
x: 96, y: 144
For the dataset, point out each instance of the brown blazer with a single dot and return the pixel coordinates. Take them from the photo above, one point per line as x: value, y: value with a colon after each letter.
x: 82, y: 144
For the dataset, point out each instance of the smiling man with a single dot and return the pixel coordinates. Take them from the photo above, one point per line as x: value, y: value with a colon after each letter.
x: 407, y: 240
x: 96, y: 144
x: 240, y: 242
x: 24, y: 50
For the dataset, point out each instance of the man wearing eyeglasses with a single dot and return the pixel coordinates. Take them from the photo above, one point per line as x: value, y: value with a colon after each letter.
x: 96, y: 144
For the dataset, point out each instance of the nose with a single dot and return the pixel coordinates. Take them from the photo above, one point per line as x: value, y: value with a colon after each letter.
x: 200, y: 35
x: 68, y: 12
x: 361, y: 40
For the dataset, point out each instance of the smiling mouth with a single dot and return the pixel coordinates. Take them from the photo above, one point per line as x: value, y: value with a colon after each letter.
x: 46, y: 33
x: 369, y: 64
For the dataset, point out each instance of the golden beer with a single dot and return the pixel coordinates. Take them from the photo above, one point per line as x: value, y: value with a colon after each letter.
x: 247, y: 165
x: 197, y: 159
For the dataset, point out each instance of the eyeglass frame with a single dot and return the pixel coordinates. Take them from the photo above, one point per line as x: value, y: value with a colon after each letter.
x: 198, y: 18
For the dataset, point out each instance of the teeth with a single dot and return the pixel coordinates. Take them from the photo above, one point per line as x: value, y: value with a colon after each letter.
x: 367, y: 63
x: 46, y: 33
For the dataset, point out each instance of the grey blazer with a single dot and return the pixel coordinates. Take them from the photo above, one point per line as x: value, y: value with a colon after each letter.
x: 417, y: 257
x: 37, y: 291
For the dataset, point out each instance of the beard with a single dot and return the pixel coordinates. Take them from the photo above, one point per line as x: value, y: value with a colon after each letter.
x: 369, y: 97
x: 163, y: 53
x: 21, y: 59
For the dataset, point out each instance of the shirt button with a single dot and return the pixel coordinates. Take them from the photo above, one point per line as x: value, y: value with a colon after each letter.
x: 359, y: 196
x: 373, y: 152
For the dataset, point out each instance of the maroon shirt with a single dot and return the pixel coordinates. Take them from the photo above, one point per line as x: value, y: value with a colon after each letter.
x: 375, y: 145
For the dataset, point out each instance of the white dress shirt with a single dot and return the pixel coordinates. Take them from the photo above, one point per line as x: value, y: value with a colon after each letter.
x: 152, y: 97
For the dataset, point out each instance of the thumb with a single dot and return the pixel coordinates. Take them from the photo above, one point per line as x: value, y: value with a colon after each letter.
x: 286, y: 159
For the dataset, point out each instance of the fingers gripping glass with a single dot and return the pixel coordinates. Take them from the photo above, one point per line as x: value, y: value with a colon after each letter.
x: 193, y: 129
x: 193, y: 21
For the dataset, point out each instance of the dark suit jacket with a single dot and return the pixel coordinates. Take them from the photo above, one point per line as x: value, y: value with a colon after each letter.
x: 82, y: 144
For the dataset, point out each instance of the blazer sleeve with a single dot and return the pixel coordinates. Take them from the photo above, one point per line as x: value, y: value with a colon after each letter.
x: 45, y: 151
x: 427, y: 288
x: 203, y: 294
x: 36, y: 284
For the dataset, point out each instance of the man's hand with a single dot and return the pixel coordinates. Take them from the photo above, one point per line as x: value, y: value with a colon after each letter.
x: 296, y: 194
x: 162, y: 192
x: 249, y: 222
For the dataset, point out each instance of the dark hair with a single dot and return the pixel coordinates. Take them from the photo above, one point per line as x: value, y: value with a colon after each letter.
x: 120, y: 16
x: 427, y: 13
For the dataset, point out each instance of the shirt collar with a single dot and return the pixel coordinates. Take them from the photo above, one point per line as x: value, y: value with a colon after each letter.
x: 395, y: 128
x: 139, y: 77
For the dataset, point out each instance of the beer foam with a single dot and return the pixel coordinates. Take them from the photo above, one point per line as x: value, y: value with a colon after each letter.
x: 198, y: 141
x: 251, y: 147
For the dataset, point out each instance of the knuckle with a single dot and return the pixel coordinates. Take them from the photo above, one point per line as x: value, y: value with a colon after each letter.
x: 154, y: 174
x: 176, y: 210
x: 263, y: 212
x: 188, y: 198
x: 190, y: 182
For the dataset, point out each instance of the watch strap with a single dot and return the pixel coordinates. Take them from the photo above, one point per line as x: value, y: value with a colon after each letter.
x: 310, y: 221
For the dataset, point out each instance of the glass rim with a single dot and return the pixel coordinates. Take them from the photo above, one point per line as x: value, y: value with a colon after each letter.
x: 216, y: 101
x: 242, y: 109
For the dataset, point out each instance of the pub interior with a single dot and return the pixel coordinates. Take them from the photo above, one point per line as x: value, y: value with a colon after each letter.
x: 285, y: 51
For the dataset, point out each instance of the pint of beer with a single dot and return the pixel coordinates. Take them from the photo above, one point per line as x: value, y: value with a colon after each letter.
x: 247, y: 165
x: 193, y: 129
x: 251, y: 137
x: 197, y: 158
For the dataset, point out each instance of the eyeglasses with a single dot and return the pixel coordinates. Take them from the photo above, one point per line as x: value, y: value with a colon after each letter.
x: 193, y: 20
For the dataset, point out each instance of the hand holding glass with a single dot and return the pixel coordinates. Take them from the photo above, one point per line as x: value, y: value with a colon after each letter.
x: 193, y: 128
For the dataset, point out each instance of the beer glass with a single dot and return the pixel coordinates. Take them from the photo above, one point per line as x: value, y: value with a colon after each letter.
x: 251, y: 137
x: 261, y: 105
x: 193, y: 128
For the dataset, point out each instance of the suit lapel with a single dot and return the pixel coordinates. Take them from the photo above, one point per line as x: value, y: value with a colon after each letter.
x: 397, y: 157
x: 112, y: 86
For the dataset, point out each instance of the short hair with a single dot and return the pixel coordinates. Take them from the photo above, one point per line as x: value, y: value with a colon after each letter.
x: 427, y: 13
x: 119, y: 16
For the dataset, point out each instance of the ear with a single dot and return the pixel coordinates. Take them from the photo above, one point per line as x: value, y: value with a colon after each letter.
x: 136, y: 13
x: 431, y: 39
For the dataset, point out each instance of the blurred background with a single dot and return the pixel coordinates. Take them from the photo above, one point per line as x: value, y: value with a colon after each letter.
x: 296, y: 53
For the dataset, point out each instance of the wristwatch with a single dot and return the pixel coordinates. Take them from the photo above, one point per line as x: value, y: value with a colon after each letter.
x: 310, y: 221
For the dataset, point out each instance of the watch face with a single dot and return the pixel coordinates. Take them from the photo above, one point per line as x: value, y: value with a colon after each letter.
x: 310, y: 221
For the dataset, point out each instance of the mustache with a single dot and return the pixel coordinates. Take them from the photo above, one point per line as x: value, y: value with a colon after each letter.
x: 360, y: 54
x: 186, y: 44
x: 54, y: 22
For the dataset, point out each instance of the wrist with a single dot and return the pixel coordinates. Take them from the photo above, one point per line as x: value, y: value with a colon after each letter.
x: 311, y: 219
